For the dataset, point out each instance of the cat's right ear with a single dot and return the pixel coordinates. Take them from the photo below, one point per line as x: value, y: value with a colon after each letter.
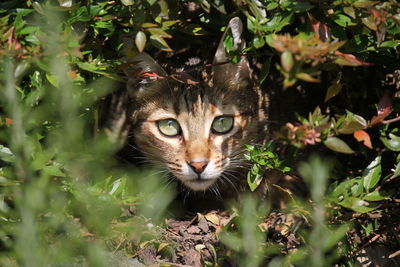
x: 227, y: 74
x: 142, y: 72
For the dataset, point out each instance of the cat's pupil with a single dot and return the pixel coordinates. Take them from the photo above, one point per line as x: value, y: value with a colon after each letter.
x: 222, y: 124
x: 169, y: 127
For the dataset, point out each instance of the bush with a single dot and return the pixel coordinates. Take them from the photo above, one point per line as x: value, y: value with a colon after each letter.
x: 62, y: 190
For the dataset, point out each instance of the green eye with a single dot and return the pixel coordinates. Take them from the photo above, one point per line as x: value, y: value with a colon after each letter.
x: 222, y: 124
x: 169, y: 127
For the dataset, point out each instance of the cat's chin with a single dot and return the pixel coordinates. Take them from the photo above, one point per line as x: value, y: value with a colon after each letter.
x: 199, y: 184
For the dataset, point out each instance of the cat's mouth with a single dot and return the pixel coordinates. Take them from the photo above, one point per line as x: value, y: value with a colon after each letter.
x: 199, y: 184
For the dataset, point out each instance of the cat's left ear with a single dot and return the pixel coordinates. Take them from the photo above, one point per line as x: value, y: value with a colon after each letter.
x: 142, y: 75
x: 227, y: 74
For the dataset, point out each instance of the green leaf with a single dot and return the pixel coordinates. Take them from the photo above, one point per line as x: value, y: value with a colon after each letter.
x: 352, y: 123
x: 335, y: 88
x: 344, y: 20
x: 53, y: 171
x: 357, y: 205
x: 128, y: 2
x: 287, y: 60
x: 392, y: 143
x: 372, y: 173
x: 254, y: 180
x: 159, y: 42
x: 337, y: 145
x: 374, y: 196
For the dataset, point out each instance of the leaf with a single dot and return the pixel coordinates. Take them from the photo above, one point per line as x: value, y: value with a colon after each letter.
x: 128, y: 2
x: 392, y: 143
x: 358, y: 205
x: 374, y: 196
x: 159, y: 32
x: 53, y: 171
x: 212, y: 218
x: 335, y: 88
x: 352, y: 123
x: 306, y: 77
x: 140, y: 40
x: 349, y: 10
x: 160, y: 43
x: 344, y: 20
x: 265, y: 70
x: 321, y: 30
x: 349, y: 60
x: 52, y: 80
x: 162, y: 246
x: 363, y: 136
x: 287, y: 61
x: 372, y: 173
x: 385, y: 104
x: 253, y: 180
x: 337, y: 145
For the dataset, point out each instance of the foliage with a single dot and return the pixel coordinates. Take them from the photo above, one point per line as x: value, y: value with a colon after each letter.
x: 61, y: 191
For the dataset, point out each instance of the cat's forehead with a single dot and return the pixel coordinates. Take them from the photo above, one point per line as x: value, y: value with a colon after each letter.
x: 191, y: 100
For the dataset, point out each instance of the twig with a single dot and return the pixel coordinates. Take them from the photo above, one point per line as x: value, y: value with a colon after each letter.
x: 394, y: 254
x: 391, y: 120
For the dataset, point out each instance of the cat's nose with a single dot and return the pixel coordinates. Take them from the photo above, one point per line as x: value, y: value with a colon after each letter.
x: 198, y: 166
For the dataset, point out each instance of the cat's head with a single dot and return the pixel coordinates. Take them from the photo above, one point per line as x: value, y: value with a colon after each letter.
x: 196, y: 130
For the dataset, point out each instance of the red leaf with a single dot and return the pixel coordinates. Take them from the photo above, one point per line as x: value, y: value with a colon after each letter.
x: 384, y: 109
x: 8, y: 121
x: 321, y: 30
x: 151, y: 76
x: 379, y: 16
x: 349, y: 60
x: 363, y: 136
x: 385, y: 104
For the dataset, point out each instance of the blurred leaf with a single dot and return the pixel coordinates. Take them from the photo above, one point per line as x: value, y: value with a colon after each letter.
x: 344, y: 20
x: 349, y: 10
x: 128, y: 2
x: 363, y: 136
x: 287, y: 60
x: 140, y: 40
x: 349, y: 60
x: 306, y: 77
x: 53, y: 171
x: 160, y: 43
x: 358, y: 205
x: 337, y: 145
x: 372, y: 174
x: 374, y: 196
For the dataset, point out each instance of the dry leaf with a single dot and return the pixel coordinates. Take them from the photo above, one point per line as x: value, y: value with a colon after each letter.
x: 213, y: 218
x: 363, y: 136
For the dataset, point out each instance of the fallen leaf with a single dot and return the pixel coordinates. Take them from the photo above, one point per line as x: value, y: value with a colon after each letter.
x: 213, y: 218
x: 363, y: 136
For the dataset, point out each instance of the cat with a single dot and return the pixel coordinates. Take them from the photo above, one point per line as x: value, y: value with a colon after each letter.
x: 195, y: 130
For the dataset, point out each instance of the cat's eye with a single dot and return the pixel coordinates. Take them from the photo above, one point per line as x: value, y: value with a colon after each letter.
x: 222, y: 124
x: 169, y: 127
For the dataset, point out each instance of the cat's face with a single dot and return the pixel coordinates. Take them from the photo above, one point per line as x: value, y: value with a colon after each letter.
x: 196, y: 132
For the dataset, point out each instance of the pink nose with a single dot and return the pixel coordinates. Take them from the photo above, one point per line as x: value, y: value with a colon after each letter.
x: 198, y: 166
